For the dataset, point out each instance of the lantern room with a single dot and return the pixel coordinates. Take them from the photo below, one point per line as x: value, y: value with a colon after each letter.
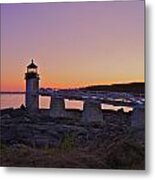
x: 32, y: 68
x: 32, y: 71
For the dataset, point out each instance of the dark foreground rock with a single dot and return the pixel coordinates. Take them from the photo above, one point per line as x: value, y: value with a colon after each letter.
x: 110, y: 144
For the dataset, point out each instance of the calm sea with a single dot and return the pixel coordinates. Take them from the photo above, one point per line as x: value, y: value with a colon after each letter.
x: 15, y: 100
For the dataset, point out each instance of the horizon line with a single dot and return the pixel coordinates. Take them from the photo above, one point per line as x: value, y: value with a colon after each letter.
x: 8, y: 91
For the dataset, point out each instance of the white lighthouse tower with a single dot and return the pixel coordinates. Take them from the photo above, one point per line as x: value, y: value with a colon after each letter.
x: 32, y: 87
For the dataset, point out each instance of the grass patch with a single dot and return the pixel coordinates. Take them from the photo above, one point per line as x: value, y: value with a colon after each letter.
x: 67, y: 143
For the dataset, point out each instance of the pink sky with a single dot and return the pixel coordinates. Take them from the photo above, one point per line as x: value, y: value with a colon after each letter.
x: 74, y: 44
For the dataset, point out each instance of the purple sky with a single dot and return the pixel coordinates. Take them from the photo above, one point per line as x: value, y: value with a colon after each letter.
x: 74, y: 44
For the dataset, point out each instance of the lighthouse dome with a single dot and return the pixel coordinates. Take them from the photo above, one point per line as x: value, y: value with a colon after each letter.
x: 32, y: 65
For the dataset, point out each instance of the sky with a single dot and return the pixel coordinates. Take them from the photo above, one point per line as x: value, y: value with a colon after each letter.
x: 73, y: 44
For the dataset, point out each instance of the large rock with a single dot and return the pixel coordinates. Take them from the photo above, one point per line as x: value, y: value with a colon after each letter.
x: 57, y: 107
x: 138, y: 118
x: 35, y: 130
x: 92, y: 112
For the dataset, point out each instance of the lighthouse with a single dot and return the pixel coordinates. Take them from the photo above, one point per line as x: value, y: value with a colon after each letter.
x: 32, y: 87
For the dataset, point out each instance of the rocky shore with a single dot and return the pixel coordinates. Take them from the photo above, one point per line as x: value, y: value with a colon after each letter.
x: 113, y: 143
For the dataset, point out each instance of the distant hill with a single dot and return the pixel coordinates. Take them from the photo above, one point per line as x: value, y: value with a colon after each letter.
x: 130, y: 87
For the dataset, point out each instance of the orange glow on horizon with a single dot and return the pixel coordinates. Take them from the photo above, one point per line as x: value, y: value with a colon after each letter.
x: 16, y: 87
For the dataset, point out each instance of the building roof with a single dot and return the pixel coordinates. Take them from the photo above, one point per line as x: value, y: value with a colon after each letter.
x: 32, y: 65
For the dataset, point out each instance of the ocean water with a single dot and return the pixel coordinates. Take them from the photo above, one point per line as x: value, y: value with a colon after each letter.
x: 15, y: 101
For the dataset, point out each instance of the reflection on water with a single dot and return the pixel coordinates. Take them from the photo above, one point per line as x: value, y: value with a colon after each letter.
x: 108, y: 106
x: 79, y: 105
x: 44, y: 102
x: 11, y: 100
x: 15, y: 100
x: 73, y: 104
